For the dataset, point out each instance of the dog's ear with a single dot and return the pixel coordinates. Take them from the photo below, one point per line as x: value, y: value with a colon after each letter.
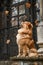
x: 32, y: 25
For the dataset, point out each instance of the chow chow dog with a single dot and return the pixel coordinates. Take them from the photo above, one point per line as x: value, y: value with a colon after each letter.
x: 24, y: 39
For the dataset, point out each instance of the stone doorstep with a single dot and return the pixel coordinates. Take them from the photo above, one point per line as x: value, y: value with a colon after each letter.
x: 40, y: 46
x: 40, y: 51
x: 40, y: 42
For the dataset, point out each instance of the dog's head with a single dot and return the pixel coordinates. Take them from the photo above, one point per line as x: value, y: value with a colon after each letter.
x: 26, y: 25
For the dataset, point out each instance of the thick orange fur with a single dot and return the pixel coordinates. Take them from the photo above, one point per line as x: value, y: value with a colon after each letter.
x: 24, y: 39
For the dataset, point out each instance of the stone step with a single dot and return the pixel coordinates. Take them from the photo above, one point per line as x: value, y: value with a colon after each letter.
x: 40, y: 50
x: 40, y: 46
x: 39, y: 42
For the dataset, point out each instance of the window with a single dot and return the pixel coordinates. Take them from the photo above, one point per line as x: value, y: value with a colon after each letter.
x: 18, y: 12
x: 15, y: 17
x: 14, y: 21
x: 21, y: 9
x: 14, y: 11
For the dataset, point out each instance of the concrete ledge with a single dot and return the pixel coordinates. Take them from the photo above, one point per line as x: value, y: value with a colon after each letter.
x: 26, y: 59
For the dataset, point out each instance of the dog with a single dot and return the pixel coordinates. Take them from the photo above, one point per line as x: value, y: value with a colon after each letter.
x: 24, y: 39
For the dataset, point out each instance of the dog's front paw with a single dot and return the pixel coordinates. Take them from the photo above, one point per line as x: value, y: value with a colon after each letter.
x: 19, y: 55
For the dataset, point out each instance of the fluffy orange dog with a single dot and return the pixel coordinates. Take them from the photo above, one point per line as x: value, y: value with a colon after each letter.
x: 24, y: 39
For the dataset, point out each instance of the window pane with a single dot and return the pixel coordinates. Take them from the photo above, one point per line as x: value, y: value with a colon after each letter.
x: 21, y: 9
x: 16, y: 1
x: 20, y: 0
x: 14, y: 21
x: 14, y: 11
x: 22, y: 18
